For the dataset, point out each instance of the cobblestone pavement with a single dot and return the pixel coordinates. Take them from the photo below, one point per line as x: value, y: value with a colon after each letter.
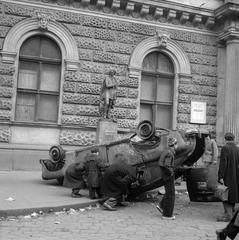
x: 140, y: 220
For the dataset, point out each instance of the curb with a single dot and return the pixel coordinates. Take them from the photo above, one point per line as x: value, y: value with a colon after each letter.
x: 28, y: 211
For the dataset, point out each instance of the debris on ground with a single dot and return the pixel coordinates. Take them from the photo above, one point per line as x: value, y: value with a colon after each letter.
x: 10, y: 199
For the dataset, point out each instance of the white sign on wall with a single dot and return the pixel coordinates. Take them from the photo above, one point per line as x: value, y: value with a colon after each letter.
x: 198, y: 112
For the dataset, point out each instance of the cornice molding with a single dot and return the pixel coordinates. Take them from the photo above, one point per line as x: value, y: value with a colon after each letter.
x: 152, y: 11
x: 227, y: 10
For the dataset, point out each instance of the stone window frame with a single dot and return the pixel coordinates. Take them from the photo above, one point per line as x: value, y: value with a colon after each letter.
x: 29, y: 28
x: 179, y: 58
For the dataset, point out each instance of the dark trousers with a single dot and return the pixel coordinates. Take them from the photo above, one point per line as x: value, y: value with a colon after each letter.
x: 93, y: 190
x: 167, y: 202
x: 231, y: 230
x: 229, y: 209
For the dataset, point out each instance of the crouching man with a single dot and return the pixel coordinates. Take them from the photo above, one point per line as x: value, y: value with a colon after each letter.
x: 116, y: 184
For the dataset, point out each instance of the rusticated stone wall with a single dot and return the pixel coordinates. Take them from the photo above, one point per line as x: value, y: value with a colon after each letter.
x: 105, y: 44
x: 202, y: 53
x: 6, y: 92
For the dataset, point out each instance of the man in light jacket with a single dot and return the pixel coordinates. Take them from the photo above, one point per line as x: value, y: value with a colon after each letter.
x: 210, y: 154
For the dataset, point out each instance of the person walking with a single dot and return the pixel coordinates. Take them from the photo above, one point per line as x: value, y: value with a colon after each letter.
x: 92, y: 166
x: 116, y: 184
x: 228, y: 174
x: 166, y: 164
x: 231, y: 230
x: 210, y: 154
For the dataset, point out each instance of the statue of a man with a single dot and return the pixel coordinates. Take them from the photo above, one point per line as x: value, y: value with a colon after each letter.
x: 108, y: 94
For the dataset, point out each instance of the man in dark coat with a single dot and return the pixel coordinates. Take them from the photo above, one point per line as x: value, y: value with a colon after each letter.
x: 74, y: 179
x: 92, y: 165
x: 116, y: 184
x: 166, y: 164
x: 231, y: 230
x: 228, y: 174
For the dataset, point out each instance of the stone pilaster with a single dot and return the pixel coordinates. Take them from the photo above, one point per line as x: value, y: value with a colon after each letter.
x: 231, y: 113
x: 221, y: 93
x: 228, y: 71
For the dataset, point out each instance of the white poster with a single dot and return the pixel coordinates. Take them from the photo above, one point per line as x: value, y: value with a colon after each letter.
x: 198, y: 112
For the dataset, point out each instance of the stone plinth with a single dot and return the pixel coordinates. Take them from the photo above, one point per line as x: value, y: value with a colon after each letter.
x: 106, y: 131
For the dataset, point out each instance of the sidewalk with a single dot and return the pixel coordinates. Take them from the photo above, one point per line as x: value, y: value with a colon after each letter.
x: 30, y: 193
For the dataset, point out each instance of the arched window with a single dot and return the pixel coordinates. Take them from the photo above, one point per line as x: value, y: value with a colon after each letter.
x: 157, y: 90
x: 38, y: 82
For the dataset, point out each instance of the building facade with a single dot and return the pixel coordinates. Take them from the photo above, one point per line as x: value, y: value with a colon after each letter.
x: 166, y: 54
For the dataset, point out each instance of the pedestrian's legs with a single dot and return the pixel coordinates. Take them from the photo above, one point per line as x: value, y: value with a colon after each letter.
x: 228, y: 208
x: 121, y: 202
x: 231, y: 231
x: 169, y: 198
x: 98, y: 192
x: 92, y: 192
x: 161, y: 204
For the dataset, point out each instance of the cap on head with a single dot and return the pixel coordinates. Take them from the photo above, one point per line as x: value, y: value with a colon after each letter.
x: 172, y: 142
x: 229, y: 136
x: 95, y: 150
x: 208, y: 134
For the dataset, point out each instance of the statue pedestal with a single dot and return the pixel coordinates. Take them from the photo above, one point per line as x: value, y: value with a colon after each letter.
x: 106, y: 131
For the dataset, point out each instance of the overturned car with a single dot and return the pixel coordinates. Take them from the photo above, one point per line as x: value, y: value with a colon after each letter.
x: 142, y: 150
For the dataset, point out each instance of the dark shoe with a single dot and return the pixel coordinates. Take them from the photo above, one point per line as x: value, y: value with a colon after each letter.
x: 100, y: 196
x: 159, y: 208
x: 106, y: 206
x: 221, y: 235
x: 75, y: 195
x: 224, y: 219
x: 93, y: 197
x: 122, y: 204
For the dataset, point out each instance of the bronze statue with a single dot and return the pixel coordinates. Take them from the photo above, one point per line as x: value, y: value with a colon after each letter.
x: 108, y: 94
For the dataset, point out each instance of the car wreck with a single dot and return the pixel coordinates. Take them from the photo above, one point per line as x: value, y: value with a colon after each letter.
x: 142, y: 150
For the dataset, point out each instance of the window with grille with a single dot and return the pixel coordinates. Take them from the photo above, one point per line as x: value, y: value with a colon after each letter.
x: 157, y: 90
x: 38, y: 83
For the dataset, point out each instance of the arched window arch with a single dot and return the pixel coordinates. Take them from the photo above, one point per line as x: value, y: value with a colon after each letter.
x: 175, y: 54
x: 28, y: 28
x: 38, y: 82
x: 157, y: 90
